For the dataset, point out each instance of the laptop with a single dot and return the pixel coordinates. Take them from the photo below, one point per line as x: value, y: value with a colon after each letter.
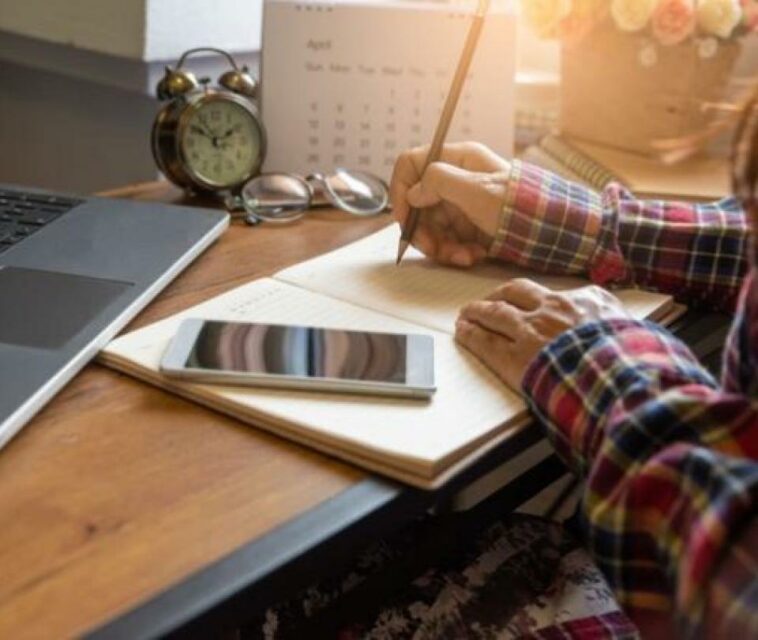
x: 73, y: 272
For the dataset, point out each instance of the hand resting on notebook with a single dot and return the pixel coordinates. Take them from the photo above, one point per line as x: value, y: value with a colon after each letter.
x: 510, y: 327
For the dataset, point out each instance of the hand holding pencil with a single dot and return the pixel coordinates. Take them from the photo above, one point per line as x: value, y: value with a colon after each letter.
x: 461, y: 195
x: 448, y: 111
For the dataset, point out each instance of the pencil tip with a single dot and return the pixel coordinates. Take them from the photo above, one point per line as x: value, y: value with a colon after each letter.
x: 401, y: 251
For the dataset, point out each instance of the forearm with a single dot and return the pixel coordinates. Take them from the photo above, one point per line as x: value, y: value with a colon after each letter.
x: 696, y: 252
x: 668, y: 458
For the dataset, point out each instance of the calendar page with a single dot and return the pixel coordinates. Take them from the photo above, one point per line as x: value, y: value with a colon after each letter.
x: 352, y: 84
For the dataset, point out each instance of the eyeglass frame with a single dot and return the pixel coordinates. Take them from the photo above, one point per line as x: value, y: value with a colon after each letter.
x: 238, y: 202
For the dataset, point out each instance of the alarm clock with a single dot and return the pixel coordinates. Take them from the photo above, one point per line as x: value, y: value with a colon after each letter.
x: 208, y: 139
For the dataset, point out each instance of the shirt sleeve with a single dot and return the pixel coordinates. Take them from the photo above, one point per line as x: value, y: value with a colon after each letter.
x: 697, y: 252
x: 669, y: 461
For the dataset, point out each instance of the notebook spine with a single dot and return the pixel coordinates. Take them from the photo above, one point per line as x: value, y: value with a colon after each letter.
x: 592, y: 172
x: 538, y: 156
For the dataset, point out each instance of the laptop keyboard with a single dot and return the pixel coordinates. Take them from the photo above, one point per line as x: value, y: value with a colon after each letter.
x: 24, y: 213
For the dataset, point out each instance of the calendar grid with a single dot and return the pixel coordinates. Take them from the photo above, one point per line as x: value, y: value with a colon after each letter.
x: 352, y: 85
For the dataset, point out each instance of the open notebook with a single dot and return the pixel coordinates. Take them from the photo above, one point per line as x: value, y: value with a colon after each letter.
x: 359, y: 287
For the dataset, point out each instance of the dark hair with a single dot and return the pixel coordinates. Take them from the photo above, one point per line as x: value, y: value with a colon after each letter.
x: 745, y: 160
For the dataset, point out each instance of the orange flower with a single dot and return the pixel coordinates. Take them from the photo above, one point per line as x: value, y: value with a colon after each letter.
x: 584, y: 16
x: 673, y: 21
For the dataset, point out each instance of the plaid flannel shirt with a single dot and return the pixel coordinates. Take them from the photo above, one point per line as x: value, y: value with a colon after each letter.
x: 669, y: 456
x: 695, y: 252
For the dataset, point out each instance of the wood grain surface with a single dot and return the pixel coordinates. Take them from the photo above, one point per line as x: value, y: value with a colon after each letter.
x: 116, y: 490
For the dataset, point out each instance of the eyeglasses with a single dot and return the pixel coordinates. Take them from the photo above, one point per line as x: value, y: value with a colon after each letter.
x: 285, y: 197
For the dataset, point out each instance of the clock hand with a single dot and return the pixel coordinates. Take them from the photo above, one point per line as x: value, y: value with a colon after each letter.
x: 230, y: 131
x: 206, y: 131
x: 200, y: 130
x: 221, y: 143
x: 217, y: 140
x: 209, y: 131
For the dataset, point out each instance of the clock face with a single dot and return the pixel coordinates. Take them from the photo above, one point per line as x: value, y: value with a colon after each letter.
x: 221, y: 142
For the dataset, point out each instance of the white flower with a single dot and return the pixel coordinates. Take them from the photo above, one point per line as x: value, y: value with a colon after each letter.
x: 707, y: 47
x: 632, y: 15
x: 718, y: 17
x: 544, y: 16
x: 648, y: 55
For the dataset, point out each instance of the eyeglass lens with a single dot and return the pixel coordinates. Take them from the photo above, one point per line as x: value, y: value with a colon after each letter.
x: 285, y: 197
x: 356, y: 192
x: 277, y: 197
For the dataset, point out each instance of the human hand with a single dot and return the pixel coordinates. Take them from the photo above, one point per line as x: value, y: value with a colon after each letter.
x: 508, y: 329
x: 461, y: 197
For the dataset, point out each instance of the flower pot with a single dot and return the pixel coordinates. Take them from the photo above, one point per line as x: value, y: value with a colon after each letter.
x: 627, y: 91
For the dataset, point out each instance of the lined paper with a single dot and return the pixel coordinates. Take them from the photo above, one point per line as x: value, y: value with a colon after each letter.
x: 431, y: 295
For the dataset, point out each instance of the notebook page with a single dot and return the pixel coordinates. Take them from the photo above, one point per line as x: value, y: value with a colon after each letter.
x: 431, y: 295
x: 416, y: 435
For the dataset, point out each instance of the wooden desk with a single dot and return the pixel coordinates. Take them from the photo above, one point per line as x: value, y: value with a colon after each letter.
x: 116, y: 491
x: 126, y: 512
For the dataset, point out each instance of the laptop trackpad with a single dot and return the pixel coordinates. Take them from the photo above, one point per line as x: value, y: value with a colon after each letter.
x: 45, y: 310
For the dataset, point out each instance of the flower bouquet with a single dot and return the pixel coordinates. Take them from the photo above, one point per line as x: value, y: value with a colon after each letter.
x: 635, y: 72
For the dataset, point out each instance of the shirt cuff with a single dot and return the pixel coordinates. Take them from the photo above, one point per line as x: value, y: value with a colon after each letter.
x: 547, y: 223
x: 553, y: 225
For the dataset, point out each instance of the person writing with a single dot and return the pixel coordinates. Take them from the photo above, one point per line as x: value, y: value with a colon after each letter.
x: 669, y: 456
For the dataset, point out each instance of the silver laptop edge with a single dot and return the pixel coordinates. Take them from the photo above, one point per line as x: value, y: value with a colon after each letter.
x: 28, y: 409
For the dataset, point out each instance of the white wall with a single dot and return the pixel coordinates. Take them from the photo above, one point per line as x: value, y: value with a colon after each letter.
x: 175, y: 25
x: 116, y: 27
x: 138, y: 29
